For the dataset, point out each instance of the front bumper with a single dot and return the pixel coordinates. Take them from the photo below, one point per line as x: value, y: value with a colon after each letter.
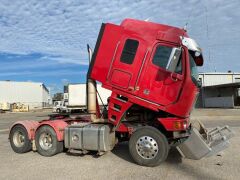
x: 203, y: 143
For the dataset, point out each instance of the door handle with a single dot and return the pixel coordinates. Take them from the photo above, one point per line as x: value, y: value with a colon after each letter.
x: 130, y: 88
x: 176, y: 77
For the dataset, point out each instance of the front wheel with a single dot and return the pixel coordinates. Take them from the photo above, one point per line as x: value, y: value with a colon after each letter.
x: 148, y: 146
x: 46, y: 141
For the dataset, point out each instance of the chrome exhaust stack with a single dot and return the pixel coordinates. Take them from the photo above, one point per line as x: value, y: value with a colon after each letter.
x: 203, y: 143
x: 91, y: 99
x: 92, y: 94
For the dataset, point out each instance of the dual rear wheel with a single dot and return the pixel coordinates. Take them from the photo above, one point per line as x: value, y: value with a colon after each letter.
x: 46, y: 140
x: 19, y: 139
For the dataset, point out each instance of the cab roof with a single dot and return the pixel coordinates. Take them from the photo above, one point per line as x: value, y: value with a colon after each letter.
x: 152, y: 31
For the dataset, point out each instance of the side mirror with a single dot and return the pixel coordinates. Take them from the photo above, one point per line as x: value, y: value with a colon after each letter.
x: 89, y: 53
x: 199, y: 83
x: 173, y: 59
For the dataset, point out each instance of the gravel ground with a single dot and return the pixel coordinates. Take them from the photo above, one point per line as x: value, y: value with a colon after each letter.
x: 118, y: 164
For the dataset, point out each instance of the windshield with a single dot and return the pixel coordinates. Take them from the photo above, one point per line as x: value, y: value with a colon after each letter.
x: 193, y: 67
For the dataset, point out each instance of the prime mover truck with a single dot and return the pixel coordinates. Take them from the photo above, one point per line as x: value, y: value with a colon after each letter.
x: 151, y: 71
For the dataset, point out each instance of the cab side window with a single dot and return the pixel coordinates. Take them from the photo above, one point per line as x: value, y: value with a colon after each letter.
x: 168, y: 58
x: 161, y: 56
x: 129, y: 51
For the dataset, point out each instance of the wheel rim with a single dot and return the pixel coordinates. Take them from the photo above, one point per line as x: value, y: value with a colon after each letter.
x: 45, y: 141
x: 18, y: 139
x: 147, y: 147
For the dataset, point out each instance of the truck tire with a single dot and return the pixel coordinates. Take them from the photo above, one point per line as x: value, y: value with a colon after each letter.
x: 19, y: 140
x: 46, y: 141
x: 148, y: 146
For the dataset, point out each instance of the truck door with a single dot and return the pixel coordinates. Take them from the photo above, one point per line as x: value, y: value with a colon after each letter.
x: 162, y: 78
x: 124, y: 71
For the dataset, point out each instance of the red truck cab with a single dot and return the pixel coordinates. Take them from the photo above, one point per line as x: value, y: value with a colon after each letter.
x: 149, y: 65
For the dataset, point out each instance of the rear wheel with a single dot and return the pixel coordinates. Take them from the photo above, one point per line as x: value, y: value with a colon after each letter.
x: 19, y: 140
x: 46, y: 141
x: 148, y: 146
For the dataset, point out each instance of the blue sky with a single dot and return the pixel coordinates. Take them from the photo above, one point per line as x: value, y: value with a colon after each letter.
x: 45, y: 41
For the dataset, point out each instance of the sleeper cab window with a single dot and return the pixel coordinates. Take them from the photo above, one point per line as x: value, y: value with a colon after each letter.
x: 129, y: 51
x: 168, y: 58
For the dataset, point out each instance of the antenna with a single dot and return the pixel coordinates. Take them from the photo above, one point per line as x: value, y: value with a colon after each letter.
x: 185, y: 27
x: 188, y: 18
x: 147, y: 19
x: 186, y: 24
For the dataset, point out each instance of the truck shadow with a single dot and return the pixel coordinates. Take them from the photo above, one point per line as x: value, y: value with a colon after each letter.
x: 121, y: 150
x: 174, y: 160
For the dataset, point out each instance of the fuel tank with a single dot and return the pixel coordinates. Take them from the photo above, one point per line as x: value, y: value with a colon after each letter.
x: 86, y: 136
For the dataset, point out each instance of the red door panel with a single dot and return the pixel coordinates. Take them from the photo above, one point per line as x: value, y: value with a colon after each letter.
x: 121, y: 78
x: 123, y: 75
x: 159, y: 85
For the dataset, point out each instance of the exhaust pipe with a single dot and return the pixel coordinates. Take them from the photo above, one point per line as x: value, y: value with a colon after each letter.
x: 91, y: 93
x: 91, y: 99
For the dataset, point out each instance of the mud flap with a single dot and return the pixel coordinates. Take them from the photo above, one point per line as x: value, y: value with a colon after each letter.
x: 203, y: 143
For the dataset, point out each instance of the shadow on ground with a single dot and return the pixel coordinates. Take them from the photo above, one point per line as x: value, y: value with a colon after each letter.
x: 121, y: 150
x: 174, y: 160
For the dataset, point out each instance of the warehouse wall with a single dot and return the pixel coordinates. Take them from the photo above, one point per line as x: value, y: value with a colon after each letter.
x: 209, y: 79
x: 45, y: 96
x: 216, y: 95
x: 218, y: 92
x: 29, y: 93
x: 219, y: 102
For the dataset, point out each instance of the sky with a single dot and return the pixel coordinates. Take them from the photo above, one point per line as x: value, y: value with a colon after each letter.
x: 45, y: 41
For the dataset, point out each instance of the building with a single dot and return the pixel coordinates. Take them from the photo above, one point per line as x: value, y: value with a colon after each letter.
x: 33, y: 94
x: 219, y: 90
x: 214, y: 78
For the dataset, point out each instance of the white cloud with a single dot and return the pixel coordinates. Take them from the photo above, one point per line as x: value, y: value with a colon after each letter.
x: 65, y: 81
x: 55, y: 73
x: 61, y: 29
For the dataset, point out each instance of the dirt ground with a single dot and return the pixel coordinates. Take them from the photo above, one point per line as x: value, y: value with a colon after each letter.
x: 118, y: 163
